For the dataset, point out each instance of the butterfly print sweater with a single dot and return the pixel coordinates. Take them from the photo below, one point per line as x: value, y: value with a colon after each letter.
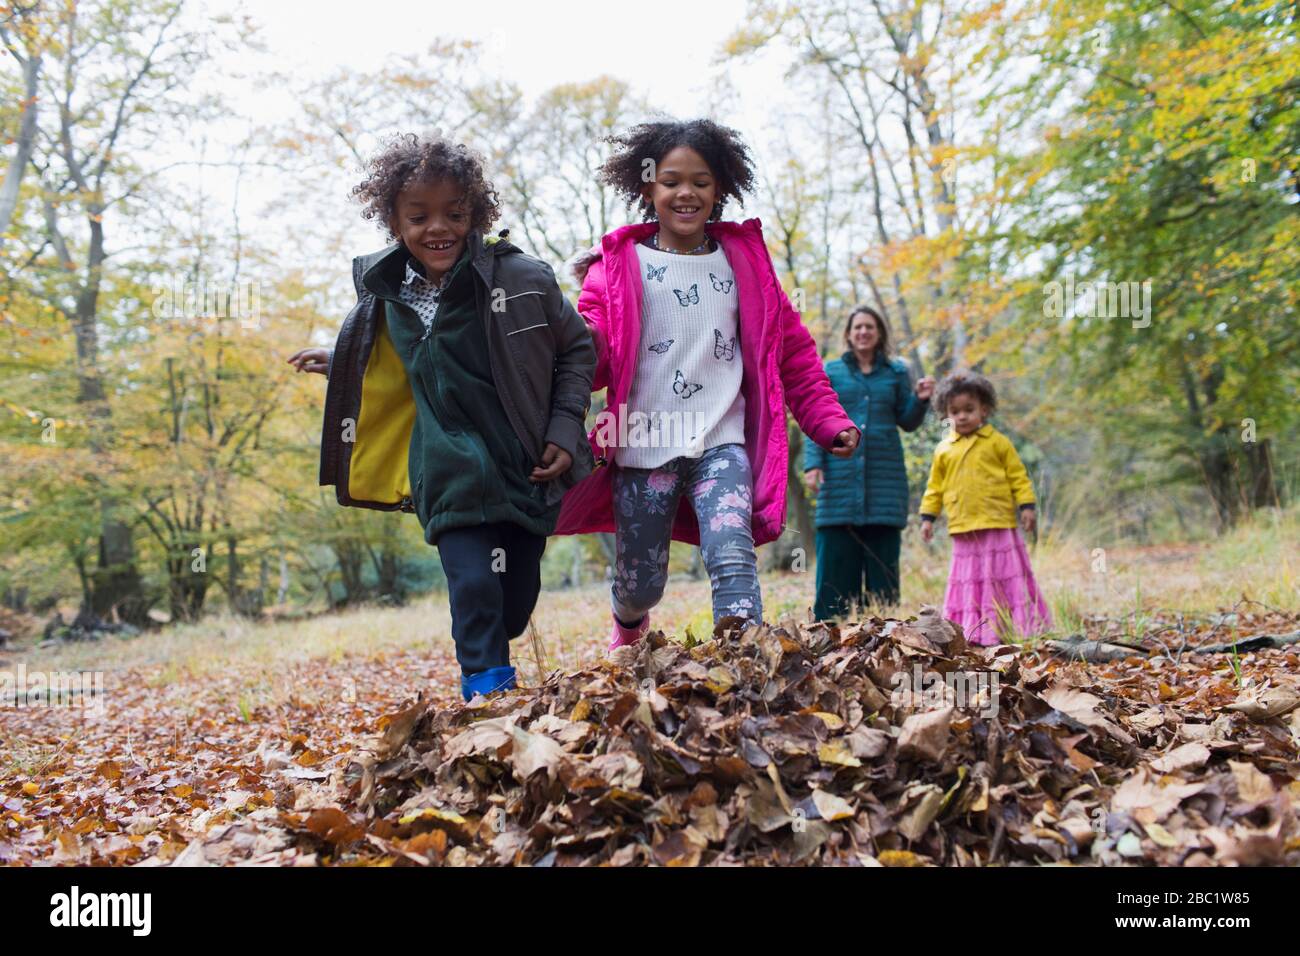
x: 686, y: 391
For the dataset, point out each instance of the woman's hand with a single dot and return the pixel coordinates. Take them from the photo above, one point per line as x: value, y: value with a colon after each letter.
x: 311, y: 360
x: 845, y: 443
x: 555, y: 462
x: 1029, y: 520
x: 813, y: 478
x: 925, y: 388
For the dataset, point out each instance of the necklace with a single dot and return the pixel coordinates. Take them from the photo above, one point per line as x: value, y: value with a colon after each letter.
x: 702, y: 247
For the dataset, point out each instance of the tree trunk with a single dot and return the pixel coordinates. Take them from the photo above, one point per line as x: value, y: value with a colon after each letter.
x: 26, y: 142
x: 350, y: 564
x: 389, y: 585
x: 115, y: 585
x: 1216, y: 466
x: 575, y: 572
x: 282, y: 593
x: 782, y: 554
x: 232, y: 571
x: 1262, y: 490
x: 187, y: 589
x: 606, y: 540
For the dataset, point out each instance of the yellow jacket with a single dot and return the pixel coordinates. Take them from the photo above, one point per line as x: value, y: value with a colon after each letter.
x: 979, y: 480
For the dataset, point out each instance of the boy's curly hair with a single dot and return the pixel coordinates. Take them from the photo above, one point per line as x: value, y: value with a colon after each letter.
x: 964, y: 383
x: 407, y: 159
x: 721, y: 147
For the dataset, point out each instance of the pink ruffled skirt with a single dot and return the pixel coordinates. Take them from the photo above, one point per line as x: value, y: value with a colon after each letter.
x: 991, y: 588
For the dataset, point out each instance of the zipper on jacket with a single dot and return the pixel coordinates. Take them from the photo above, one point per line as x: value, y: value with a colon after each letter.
x: 442, y: 408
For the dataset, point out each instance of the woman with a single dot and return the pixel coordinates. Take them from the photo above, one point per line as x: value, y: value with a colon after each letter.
x: 862, y: 500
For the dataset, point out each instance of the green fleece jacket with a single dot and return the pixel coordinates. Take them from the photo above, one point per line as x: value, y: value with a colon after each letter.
x: 467, y: 465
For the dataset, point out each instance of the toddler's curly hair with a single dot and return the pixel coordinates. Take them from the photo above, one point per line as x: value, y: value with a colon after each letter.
x: 964, y: 383
x: 721, y: 147
x: 407, y: 159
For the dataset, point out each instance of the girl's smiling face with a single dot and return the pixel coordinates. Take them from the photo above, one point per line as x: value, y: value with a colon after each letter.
x: 432, y: 222
x: 684, y: 193
x: 967, y: 413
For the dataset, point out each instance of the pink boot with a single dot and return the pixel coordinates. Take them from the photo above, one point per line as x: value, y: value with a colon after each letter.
x: 623, y: 636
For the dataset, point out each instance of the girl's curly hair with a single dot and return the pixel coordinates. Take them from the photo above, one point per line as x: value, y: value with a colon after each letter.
x: 406, y: 159
x: 721, y: 147
x: 964, y: 383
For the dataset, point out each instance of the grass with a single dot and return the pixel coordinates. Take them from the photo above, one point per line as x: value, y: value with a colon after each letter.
x: 1256, y: 561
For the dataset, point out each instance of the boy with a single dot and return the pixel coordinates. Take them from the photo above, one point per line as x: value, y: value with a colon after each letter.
x: 467, y: 346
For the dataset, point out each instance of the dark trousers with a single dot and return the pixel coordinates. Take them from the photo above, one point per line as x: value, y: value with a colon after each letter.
x: 855, y: 563
x: 494, y: 574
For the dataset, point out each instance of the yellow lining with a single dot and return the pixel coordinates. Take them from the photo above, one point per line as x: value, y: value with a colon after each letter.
x: 378, y: 469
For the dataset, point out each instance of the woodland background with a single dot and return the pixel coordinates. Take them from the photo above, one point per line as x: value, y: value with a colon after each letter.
x: 948, y: 161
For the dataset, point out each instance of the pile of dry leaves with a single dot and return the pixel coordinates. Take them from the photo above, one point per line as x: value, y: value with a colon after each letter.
x: 886, y: 742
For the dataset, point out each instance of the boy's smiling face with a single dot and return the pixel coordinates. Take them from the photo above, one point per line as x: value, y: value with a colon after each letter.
x: 432, y: 222
x: 684, y: 192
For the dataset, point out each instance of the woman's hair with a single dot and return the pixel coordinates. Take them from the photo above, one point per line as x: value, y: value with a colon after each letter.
x: 964, y: 383
x: 882, y: 328
x: 407, y: 160
x: 721, y: 147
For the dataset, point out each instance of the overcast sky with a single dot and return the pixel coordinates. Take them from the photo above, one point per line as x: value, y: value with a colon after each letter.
x: 665, y: 47
x: 666, y: 50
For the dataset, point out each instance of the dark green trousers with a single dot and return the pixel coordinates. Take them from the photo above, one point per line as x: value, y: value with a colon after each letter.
x: 855, y: 563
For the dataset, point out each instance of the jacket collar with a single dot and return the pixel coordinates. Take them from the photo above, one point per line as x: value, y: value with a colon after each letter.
x: 726, y: 232
x: 851, y: 360
x: 984, y: 431
x: 383, y: 272
x: 414, y: 277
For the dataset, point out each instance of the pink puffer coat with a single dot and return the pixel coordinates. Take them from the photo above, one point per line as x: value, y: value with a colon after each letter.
x: 781, y: 363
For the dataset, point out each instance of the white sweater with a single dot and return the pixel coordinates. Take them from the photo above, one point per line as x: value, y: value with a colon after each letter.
x: 686, y: 393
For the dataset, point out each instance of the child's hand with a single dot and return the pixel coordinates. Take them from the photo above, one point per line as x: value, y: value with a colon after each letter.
x: 1029, y: 520
x: 845, y: 442
x: 555, y: 462
x: 814, y: 477
x: 311, y: 360
x: 927, y: 531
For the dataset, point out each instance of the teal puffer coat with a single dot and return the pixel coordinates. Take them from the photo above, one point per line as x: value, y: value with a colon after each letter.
x: 870, y: 487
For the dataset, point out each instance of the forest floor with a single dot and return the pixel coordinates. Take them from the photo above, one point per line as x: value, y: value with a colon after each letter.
x: 225, y: 741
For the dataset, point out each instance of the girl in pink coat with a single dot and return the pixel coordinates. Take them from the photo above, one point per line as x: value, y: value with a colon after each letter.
x: 701, y: 353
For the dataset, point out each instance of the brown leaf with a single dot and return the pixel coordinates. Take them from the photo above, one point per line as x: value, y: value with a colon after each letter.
x: 1266, y: 703
x: 1082, y: 707
x: 1186, y: 757
x: 397, y: 729
x: 924, y: 736
x: 1149, y: 801
x: 533, y: 753
x: 334, y: 826
x: 1253, y: 787
x: 680, y: 848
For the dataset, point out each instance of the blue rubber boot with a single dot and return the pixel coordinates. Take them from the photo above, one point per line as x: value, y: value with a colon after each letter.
x: 488, y: 681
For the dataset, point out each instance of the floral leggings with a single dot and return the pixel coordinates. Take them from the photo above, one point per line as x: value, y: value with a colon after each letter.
x: 720, y: 485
